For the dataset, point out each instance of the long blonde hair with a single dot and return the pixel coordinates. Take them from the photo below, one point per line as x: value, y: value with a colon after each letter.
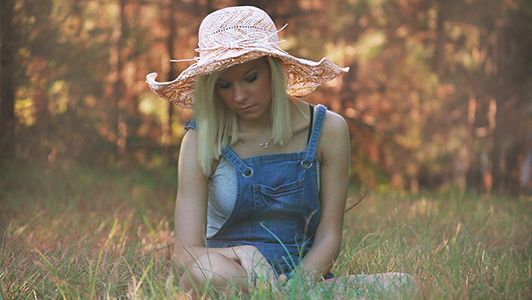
x: 218, y: 126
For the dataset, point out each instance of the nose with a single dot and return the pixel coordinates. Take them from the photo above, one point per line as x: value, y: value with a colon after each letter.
x: 240, y: 93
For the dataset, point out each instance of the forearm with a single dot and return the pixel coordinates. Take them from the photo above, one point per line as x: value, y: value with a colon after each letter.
x: 185, y: 256
x: 321, y: 257
x: 248, y: 257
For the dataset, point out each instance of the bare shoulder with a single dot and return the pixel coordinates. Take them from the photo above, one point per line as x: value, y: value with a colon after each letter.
x: 191, y: 135
x: 188, y: 153
x: 189, y: 144
x: 191, y: 179
x: 335, y: 125
x: 334, y: 138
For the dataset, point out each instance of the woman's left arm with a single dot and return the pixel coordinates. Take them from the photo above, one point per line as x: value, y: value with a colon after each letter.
x: 334, y: 148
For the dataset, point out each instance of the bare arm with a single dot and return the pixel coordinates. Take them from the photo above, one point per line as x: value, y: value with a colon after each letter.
x: 191, y: 204
x: 191, y: 217
x: 334, y: 173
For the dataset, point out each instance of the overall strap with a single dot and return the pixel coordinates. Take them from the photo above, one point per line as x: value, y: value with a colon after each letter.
x: 191, y: 124
x: 315, y: 137
x: 227, y: 152
x: 230, y: 155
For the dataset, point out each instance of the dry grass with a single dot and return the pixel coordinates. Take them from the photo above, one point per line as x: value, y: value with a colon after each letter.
x: 76, y: 232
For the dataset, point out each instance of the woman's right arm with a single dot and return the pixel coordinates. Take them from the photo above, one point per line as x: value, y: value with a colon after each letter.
x: 191, y: 216
x: 191, y: 205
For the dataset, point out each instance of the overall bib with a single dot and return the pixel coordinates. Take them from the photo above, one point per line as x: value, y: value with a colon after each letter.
x: 277, y: 205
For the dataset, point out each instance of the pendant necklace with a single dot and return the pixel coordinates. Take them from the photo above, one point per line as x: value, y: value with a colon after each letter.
x: 263, y: 145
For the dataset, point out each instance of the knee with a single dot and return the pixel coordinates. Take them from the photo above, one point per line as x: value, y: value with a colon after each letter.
x: 214, y: 269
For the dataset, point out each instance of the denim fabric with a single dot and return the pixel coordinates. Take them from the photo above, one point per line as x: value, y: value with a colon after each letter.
x: 277, y: 206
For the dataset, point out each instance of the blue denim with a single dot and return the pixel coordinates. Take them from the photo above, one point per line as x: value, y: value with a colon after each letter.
x: 277, y: 206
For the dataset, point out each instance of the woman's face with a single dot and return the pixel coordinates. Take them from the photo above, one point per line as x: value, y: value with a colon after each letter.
x: 246, y: 89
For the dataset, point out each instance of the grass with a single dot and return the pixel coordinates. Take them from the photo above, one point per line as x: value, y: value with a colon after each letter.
x: 73, y: 232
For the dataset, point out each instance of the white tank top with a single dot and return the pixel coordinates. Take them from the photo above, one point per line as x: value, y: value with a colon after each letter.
x: 222, y: 196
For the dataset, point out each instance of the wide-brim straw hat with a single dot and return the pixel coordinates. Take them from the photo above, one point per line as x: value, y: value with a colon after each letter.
x: 236, y: 35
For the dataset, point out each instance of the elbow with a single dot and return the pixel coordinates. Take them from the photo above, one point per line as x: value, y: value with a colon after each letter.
x: 183, y: 258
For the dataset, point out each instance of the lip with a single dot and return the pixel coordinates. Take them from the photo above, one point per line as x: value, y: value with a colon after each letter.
x: 247, y: 108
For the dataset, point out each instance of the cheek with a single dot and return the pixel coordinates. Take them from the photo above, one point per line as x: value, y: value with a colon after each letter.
x: 265, y: 88
x: 223, y: 97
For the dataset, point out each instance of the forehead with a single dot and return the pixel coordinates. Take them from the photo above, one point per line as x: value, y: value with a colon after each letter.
x: 244, y: 68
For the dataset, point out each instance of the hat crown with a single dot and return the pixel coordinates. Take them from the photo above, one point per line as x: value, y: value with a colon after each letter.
x: 236, y: 27
x: 236, y: 35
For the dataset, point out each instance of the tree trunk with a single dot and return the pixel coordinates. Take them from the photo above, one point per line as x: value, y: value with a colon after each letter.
x: 119, y: 119
x: 438, y: 58
x: 503, y: 63
x: 167, y: 127
x: 8, y: 84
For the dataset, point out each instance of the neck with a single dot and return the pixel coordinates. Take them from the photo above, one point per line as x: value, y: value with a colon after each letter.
x: 264, y: 123
x: 260, y: 132
x: 256, y: 126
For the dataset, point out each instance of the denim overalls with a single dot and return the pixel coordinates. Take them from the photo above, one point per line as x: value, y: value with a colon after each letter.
x: 277, y: 206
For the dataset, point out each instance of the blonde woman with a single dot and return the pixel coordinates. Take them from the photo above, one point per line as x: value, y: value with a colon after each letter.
x: 262, y: 175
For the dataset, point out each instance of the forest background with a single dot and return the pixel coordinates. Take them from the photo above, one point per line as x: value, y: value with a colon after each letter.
x: 439, y: 95
x: 438, y: 102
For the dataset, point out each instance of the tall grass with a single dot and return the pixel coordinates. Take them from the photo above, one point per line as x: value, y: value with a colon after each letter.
x: 73, y: 232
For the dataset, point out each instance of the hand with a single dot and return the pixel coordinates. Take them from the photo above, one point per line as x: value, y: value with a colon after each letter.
x: 285, y: 282
x: 258, y: 269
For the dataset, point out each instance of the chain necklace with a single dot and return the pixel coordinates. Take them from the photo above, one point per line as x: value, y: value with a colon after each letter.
x: 263, y: 145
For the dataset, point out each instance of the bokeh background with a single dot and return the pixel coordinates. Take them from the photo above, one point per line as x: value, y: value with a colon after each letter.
x: 439, y: 95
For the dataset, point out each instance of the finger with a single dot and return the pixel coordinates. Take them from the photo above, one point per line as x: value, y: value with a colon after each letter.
x: 283, y: 278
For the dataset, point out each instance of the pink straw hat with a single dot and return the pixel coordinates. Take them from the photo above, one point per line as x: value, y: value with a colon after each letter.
x: 236, y: 35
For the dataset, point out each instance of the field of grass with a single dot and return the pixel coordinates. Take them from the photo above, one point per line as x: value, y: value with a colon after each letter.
x: 72, y: 232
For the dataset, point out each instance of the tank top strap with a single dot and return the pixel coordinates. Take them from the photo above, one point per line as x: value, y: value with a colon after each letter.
x: 315, y: 137
x: 230, y: 155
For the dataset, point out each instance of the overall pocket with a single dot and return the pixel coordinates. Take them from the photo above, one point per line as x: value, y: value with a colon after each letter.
x: 278, y: 210
x: 280, y: 200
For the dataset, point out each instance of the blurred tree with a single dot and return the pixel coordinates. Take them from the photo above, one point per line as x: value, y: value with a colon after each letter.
x: 513, y: 81
x: 439, y: 92
x: 9, y: 73
x: 490, y: 66
x: 120, y: 35
x: 172, y: 74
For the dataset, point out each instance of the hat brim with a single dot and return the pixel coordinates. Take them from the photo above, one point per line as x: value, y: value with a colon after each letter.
x: 302, y: 76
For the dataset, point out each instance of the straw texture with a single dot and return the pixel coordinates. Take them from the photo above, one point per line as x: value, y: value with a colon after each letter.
x: 236, y: 35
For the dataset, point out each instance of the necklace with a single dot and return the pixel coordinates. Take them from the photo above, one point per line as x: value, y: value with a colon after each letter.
x: 263, y: 145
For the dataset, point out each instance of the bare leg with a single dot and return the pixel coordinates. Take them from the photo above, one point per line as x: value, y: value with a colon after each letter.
x: 384, y: 285
x: 214, y: 270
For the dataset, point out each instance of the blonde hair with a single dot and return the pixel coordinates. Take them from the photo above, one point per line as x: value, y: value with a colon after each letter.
x: 218, y: 126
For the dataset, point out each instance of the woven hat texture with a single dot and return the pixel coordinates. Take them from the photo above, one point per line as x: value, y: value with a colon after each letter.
x: 236, y: 35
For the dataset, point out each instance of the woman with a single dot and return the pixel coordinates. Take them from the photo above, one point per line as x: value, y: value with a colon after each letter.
x: 263, y: 175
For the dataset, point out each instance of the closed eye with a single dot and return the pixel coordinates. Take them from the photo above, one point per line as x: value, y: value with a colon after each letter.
x: 223, y: 86
x: 252, y: 78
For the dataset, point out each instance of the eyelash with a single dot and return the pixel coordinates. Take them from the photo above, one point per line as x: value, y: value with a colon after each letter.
x: 250, y: 79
